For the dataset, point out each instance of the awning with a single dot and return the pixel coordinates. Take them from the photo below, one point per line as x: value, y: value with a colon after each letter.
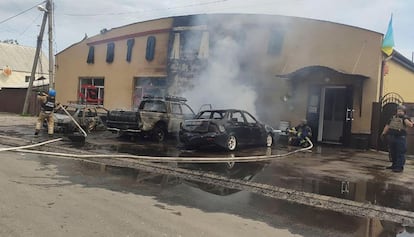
x: 311, y: 70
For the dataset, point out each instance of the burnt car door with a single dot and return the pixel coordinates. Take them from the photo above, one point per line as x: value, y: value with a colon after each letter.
x: 151, y: 112
x: 255, y: 129
x: 176, y: 117
x: 239, y: 127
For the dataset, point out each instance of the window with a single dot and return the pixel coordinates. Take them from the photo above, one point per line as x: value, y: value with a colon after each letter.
x: 186, y: 110
x: 275, y: 42
x: 110, y: 52
x: 91, y: 55
x: 175, y: 108
x: 237, y: 117
x: 27, y: 79
x: 91, y: 91
x: 154, y: 106
x: 190, y: 44
x: 149, y: 56
x: 217, y: 115
x: 249, y: 118
x: 148, y: 86
x: 204, y: 115
x: 130, y: 45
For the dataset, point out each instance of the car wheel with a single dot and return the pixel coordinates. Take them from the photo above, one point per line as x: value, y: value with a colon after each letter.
x: 231, y: 143
x: 269, y: 140
x: 158, y: 133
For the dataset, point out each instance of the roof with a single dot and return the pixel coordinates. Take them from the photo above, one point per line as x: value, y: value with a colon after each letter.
x: 20, y: 58
x: 401, y: 59
x: 219, y: 14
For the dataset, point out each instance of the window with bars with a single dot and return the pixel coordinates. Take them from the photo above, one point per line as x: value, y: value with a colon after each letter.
x: 91, y: 90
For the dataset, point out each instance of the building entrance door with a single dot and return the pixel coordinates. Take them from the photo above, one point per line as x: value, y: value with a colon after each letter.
x: 336, y: 115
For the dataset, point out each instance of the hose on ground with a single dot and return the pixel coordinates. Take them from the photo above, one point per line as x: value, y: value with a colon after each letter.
x: 158, y: 158
x: 30, y: 146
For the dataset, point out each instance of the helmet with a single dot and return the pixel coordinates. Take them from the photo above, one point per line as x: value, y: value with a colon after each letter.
x: 402, y: 107
x: 52, y: 93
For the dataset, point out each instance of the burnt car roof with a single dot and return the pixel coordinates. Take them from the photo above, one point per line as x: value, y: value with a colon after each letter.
x: 223, y: 110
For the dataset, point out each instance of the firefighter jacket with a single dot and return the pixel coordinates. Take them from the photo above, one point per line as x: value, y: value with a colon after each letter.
x: 397, y: 126
x: 48, y: 104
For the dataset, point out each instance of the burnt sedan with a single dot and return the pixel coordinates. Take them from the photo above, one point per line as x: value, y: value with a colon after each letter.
x: 229, y: 129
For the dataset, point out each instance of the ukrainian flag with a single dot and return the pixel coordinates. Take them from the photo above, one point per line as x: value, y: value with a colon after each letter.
x: 388, y: 42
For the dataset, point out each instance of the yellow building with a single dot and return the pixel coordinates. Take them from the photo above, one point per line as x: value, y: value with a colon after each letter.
x: 279, y: 68
x: 399, y: 76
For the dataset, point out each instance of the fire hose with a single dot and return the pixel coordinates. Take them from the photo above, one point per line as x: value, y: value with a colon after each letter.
x: 156, y: 158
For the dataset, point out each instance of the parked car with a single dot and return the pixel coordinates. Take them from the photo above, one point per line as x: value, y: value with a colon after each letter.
x: 229, y: 129
x: 156, y: 117
x: 90, y: 117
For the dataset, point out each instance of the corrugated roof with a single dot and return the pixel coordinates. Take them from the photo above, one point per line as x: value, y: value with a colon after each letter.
x: 20, y: 58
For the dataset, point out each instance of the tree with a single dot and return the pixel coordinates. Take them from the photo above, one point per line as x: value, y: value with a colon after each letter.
x: 10, y: 41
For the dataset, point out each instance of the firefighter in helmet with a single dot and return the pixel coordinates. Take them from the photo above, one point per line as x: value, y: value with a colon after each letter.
x: 298, y: 134
x: 395, y: 132
x: 48, y: 105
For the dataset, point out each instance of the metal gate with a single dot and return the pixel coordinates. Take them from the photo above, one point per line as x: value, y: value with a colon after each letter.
x: 389, y: 104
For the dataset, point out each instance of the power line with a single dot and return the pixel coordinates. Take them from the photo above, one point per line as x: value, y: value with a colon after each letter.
x: 7, y: 19
x: 30, y: 25
x: 150, y: 10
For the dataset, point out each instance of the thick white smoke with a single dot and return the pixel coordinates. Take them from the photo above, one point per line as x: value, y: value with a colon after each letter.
x: 220, y: 84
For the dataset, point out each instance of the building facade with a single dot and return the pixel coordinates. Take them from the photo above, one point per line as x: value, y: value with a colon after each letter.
x: 283, y: 68
x: 17, y: 63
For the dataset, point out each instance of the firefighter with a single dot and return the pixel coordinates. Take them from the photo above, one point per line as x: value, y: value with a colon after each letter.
x: 298, y: 134
x: 48, y: 105
x: 395, y: 131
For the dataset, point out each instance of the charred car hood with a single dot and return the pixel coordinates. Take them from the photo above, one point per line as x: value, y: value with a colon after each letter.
x: 61, y: 118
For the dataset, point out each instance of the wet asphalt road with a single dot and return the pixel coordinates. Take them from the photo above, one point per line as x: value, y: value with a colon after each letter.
x: 210, y: 200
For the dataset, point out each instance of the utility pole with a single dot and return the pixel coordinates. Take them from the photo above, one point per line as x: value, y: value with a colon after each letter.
x: 36, y: 59
x: 49, y: 8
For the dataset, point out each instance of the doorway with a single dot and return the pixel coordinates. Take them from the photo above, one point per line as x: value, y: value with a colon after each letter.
x: 335, y: 115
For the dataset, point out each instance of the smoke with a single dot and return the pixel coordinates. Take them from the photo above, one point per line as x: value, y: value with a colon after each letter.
x: 221, y: 83
x: 239, y: 72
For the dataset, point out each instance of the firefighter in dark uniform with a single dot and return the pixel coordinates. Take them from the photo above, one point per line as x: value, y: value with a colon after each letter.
x: 298, y: 134
x: 46, y: 111
x: 395, y: 132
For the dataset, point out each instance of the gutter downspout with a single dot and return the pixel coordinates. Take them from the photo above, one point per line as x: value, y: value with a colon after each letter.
x: 383, y: 62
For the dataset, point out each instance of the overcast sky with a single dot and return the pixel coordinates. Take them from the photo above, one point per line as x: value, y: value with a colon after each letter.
x: 74, y: 18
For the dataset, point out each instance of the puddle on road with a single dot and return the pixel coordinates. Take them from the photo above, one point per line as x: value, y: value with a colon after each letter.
x: 234, y: 201
x: 296, y: 218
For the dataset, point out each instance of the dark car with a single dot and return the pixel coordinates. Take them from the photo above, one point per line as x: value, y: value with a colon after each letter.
x: 229, y: 129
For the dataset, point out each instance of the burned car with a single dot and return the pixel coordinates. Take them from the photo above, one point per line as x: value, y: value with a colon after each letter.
x: 90, y: 117
x: 228, y: 129
x: 156, y: 117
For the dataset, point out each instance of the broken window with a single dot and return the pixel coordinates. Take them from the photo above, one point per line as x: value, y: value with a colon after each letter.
x: 110, y: 52
x: 203, y: 52
x: 190, y: 42
x: 275, y: 42
x: 130, y: 45
x: 153, y: 106
x: 148, y: 86
x: 149, y: 56
x: 175, y: 50
x: 91, y: 55
x: 175, y: 108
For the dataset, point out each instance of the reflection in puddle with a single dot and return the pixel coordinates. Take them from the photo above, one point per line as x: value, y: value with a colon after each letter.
x: 235, y: 201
